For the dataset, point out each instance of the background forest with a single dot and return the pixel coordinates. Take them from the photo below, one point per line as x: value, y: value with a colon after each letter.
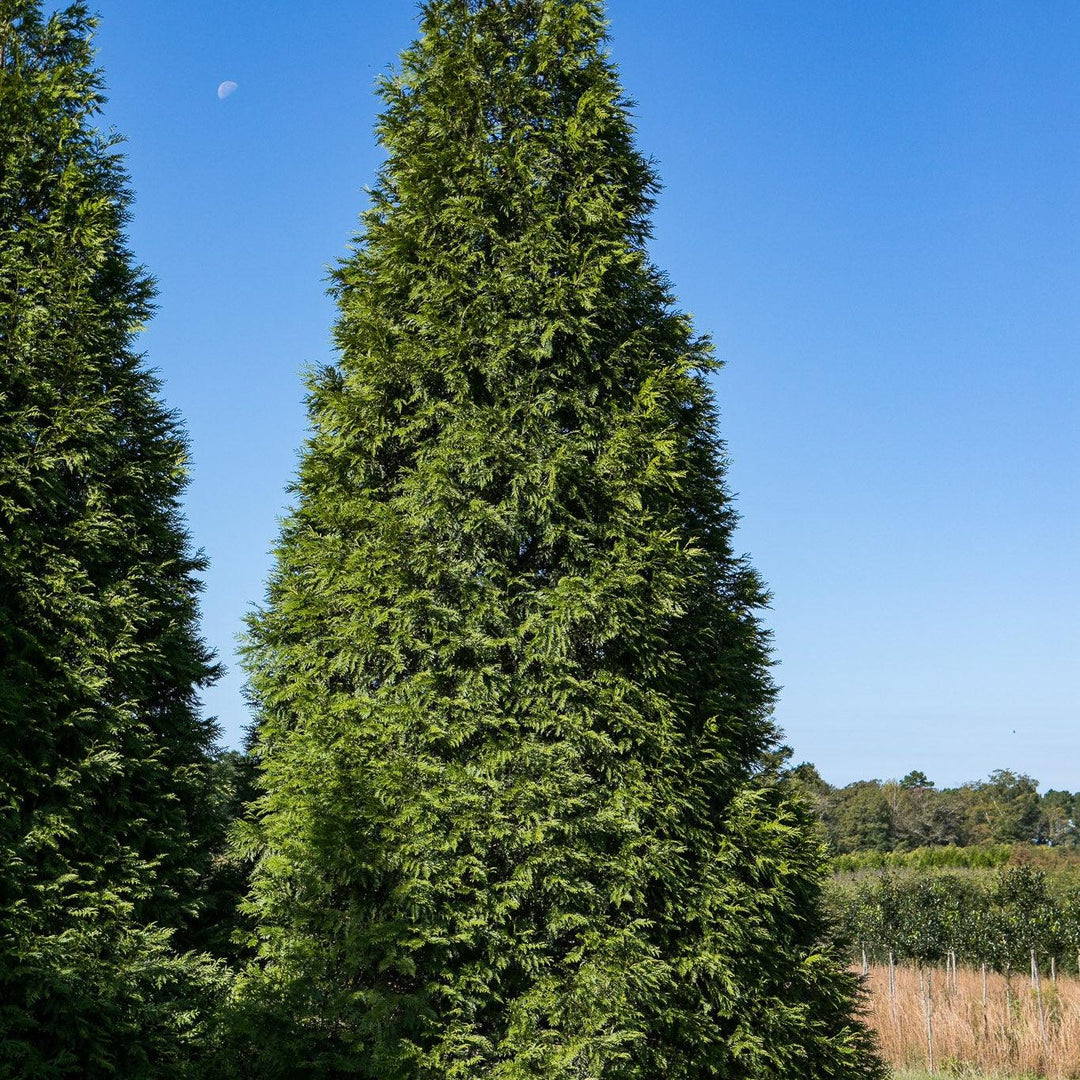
x: 899, y: 815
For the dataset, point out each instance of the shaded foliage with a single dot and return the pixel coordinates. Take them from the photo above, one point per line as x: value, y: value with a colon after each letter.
x: 108, y: 816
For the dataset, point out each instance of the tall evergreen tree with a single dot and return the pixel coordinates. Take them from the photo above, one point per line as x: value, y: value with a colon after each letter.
x: 106, y: 819
x: 520, y: 815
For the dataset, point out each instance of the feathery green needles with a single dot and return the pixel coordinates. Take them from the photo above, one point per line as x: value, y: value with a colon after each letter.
x: 107, y: 815
x: 519, y: 812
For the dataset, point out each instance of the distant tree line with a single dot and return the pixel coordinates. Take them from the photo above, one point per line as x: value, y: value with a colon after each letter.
x: 911, y: 813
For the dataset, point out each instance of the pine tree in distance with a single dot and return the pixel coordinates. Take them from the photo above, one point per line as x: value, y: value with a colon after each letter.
x: 520, y: 815
x: 106, y: 818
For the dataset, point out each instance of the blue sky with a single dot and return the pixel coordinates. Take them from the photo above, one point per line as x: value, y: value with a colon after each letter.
x: 874, y: 209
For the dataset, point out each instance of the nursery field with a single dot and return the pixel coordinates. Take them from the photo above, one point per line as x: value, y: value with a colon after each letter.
x: 922, y: 1074
x: 961, y: 1022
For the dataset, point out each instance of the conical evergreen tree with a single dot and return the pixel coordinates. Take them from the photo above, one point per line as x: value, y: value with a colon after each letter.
x: 519, y: 815
x: 106, y: 817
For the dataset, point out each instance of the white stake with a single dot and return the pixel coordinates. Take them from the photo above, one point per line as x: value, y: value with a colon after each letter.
x: 1038, y: 990
x: 929, y: 1022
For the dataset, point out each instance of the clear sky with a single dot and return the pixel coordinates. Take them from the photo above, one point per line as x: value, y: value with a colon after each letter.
x: 874, y: 208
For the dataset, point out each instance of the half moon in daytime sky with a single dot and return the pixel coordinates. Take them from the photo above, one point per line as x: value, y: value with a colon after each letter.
x: 225, y: 89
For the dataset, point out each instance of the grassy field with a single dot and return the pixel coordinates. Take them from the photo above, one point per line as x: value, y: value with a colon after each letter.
x: 1008, y: 1035
x: 922, y: 1074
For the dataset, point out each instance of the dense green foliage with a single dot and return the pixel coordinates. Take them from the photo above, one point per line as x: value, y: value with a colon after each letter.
x: 108, y: 820
x: 981, y: 857
x: 1058, y: 863
x: 520, y: 816
x: 989, y: 917
x: 901, y: 815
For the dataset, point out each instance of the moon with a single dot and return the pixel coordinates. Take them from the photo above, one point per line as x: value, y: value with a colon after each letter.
x: 225, y: 89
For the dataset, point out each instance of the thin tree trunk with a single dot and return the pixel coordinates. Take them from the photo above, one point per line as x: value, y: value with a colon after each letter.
x: 1053, y: 970
x: 865, y: 966
x: 892, y: 976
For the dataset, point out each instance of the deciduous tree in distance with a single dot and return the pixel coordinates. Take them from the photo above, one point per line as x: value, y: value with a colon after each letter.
x: 521, y: 815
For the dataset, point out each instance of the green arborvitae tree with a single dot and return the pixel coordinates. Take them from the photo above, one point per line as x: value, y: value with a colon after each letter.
x: 520, y: 811
x: 106, y: 818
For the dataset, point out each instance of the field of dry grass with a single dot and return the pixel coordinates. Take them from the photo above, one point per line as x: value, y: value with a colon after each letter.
x: 1007, y: 1033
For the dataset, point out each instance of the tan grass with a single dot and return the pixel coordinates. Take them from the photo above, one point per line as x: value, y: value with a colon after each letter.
x: 1010, y: 1036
